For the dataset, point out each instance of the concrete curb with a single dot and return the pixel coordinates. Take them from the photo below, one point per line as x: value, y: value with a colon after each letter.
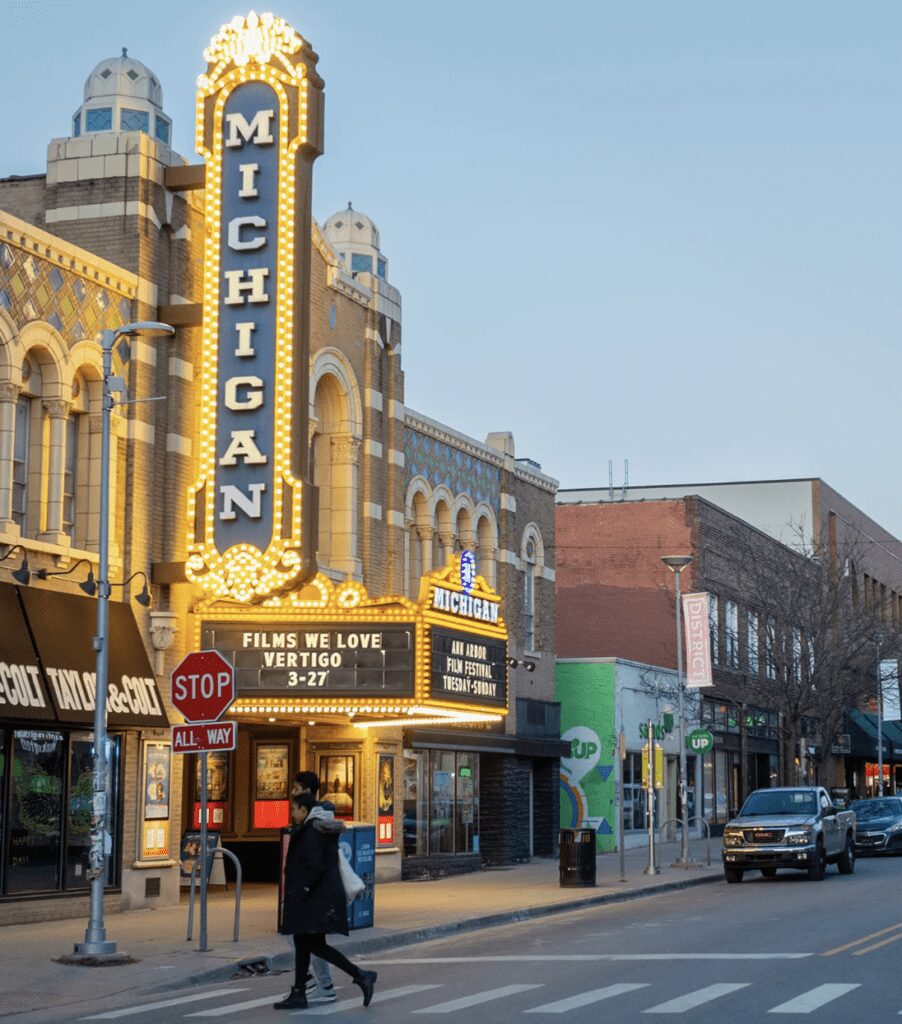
x: 364, y: 946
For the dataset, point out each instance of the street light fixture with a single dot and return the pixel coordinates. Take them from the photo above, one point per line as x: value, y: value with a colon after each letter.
x: 96, y: 943
x: 676, y: 564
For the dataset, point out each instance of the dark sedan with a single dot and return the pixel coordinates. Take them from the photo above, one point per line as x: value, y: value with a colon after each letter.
x: 879, y: 825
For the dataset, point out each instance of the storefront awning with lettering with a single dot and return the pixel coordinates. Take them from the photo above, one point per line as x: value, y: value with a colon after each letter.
x: 23, y: 692
x: 62, y: 627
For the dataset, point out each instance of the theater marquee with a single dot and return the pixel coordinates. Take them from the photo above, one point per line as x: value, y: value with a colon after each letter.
x: 331, y: 649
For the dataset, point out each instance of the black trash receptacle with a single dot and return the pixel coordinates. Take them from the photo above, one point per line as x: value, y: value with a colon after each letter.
x: 577, y: 846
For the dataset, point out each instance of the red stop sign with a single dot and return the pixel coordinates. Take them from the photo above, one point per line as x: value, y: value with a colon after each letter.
x: 203, y: 686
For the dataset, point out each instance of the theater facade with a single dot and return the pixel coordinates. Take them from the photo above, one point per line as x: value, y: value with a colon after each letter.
x: 382, y: 582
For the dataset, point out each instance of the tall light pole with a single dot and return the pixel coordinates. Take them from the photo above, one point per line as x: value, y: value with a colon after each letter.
x: 878, y: 641
x: 96, y: 943
x: 676, y: 564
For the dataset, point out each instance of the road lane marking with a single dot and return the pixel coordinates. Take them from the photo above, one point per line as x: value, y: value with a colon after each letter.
x: 478, y: 997
x: 352, y: 1004
x: 877, y: 945
x: 862, y: 940
x: 130, y: 1011
x: 808, y: 1002
x: 584, y: 957
x: 697, y: 998
x: 586, y: 998
x: 251, y: 1004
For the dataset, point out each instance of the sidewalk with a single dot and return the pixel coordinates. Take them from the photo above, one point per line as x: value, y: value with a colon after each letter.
x: 406, y: 912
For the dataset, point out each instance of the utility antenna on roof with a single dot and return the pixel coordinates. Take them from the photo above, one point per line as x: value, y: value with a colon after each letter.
x: 610, y: 479
x: 626, y: 477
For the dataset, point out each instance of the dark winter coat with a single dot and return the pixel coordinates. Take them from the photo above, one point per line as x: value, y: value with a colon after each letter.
x: 314, y: 899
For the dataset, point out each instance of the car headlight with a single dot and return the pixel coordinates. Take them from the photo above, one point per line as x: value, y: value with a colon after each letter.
x: 800, y: 837
x: 896, y: 828
x: 732, y: 838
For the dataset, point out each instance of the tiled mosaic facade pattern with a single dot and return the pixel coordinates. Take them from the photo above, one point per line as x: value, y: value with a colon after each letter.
x: 32, y: 288
x: 459, y: 471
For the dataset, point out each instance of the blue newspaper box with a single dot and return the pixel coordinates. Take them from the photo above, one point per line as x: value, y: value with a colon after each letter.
x: 358, y: 844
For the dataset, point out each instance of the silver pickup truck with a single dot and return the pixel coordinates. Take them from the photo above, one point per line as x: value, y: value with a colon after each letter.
x: 789, y: 828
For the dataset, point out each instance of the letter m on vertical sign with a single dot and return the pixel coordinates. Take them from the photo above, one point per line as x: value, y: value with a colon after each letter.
x: 252, y: 510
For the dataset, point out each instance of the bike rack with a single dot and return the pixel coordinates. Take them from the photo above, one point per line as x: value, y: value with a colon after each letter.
x: 679, y: 821
x: 194, y: 874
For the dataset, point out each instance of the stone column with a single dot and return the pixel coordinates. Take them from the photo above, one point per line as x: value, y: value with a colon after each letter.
x: 485, y: 565
x: 9, y: 394
x: 345, y: 449
x: 447, y: 544
x: 425, y: 535
x: 57, y: 412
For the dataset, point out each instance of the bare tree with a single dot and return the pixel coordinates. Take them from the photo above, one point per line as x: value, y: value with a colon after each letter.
x: 810, y: 632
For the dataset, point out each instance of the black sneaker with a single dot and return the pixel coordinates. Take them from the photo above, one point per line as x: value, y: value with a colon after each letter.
x: 366, y: 980
x: 295, y: 1000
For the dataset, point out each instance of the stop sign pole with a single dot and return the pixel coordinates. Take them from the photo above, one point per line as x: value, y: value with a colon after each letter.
x: 203, y: 688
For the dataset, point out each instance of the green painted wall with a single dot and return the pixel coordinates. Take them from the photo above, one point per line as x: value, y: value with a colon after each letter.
x: 586, y: 693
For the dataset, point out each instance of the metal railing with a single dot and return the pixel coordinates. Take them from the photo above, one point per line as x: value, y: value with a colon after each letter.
x: 201, y: 862
x: 679, y: 821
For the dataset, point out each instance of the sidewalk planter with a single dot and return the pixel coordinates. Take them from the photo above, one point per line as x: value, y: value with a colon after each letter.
x: 577, y: 862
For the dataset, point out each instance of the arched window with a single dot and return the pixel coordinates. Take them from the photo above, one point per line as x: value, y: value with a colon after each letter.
x: 76, y: 454
x: 529, y: 596
x: 27, y: 451
x: 487, y: 550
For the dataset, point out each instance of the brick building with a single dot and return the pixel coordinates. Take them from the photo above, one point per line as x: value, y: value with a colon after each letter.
x: 615, y: 599
x: 112, y: 233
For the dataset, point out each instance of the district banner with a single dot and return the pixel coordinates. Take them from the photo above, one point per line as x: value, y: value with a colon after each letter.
x: 698, y: 640
x: 889, y: 690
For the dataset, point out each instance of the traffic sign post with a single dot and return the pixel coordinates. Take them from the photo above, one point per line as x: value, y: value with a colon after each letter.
x: 203, y: 688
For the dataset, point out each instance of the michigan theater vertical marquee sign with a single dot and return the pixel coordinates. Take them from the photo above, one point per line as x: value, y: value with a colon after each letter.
x: 259, y: 128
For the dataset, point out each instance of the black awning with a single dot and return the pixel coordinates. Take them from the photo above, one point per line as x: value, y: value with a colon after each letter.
x: 23, y: 691
x: 63, y: 627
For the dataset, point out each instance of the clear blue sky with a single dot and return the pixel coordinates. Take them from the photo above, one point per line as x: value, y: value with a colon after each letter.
x: 662, y: 230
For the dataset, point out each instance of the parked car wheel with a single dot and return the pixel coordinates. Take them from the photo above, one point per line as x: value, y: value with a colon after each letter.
x: 846, y: 862
x: 732, y: 875
x: 818, y: 867
x: 769, y: 872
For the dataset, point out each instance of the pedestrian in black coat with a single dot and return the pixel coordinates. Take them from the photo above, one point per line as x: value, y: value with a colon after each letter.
x: 314, y: 903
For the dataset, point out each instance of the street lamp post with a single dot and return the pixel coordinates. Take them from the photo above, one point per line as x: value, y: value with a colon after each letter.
x: 96, y: 943
x: 676, y: 564
x: 878, y: 641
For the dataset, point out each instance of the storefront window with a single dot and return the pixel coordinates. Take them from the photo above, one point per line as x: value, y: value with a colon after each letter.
x: 36, y: 811
x: 415, y: 803
x: 79, y: 802
x: 441, y: 802
x: 441, y: 827
x: 466, y: 804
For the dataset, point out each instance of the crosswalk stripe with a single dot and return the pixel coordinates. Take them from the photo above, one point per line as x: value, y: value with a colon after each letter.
x: 697, y: 998
x: 478, y: 997
x: 808, y: 1002
x: 131, y: 1011
x: 586, y: 998
x: 352, y: 1004
x: 251, y: 1004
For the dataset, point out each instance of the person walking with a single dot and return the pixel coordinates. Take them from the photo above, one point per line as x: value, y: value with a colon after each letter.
x: 318, y: 985
x: 314, y: 902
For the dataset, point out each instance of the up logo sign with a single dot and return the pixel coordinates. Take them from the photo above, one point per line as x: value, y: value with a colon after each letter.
x: 585, y: 751
x: 259, y: 121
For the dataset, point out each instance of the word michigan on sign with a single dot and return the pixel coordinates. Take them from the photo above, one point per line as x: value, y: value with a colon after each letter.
x: 259, y: 127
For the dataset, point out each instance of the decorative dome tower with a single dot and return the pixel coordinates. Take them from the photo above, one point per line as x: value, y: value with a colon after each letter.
x: 123, y: 95
x: 356, y: 240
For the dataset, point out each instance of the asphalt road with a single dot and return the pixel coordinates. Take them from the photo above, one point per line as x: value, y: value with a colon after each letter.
x: 740, y: 953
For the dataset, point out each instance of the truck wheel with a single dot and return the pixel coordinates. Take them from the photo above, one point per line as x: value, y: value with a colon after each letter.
x: 846, y: 862
x: 732, y: 875
x: 818, y: 867
x: 769, y: 872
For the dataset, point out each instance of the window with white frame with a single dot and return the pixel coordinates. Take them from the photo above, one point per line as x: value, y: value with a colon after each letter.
x: 21, y: 438
x: 752, y: 643
x: 731, y: 633
x: 770, y: 648
x: 714, y: 627
x: 796, y: 654
x: 529, y: 596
